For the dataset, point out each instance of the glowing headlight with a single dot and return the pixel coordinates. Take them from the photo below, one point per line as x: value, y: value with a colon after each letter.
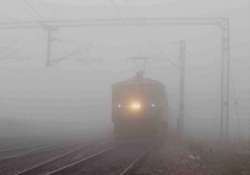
x: 135, y: 106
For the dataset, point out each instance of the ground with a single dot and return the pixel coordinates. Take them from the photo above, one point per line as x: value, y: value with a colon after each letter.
x: 181, y: 158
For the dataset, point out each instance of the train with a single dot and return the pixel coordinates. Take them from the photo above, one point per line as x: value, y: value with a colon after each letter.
x: 139, y: 108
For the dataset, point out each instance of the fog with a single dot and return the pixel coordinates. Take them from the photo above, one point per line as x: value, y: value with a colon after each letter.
x: 72, y: 96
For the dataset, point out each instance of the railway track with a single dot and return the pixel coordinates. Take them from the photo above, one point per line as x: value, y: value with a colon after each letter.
x: 9, y: 144
x: 63, y: 160
x: 5, y: 151
x: 8, y: 149
x: 132, y: 167
x: 91, y: 158
x: 12, y: 152
x: 13, y: 164
x: 25, y: 152
x: 117, y: 159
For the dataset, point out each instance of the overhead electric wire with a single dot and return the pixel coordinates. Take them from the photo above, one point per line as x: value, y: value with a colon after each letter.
x: 32, y: 8
x: 168, y: 59
x: 35, y: 14
x: 117, y: 9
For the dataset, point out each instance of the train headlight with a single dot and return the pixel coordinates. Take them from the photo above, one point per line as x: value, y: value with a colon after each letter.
x: 135, y: 106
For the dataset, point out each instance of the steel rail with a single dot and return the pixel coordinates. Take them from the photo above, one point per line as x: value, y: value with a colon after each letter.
x: 131, y: 168
x: 55, y: 159
x: 49, y: 161
x: 71, y: 166
x: 16, y: 148
x: 12, y: 157
x: 10, y: 150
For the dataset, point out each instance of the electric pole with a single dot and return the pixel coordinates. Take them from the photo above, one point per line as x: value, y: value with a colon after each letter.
x: 48, y: 53
x: 50, y: 40
x: 225, y: 79
x: 182, y: 66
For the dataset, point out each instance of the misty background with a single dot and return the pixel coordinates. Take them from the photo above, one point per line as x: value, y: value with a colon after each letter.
x: 73, y: 95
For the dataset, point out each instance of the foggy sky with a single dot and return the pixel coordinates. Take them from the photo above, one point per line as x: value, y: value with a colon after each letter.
x: 80, y: 86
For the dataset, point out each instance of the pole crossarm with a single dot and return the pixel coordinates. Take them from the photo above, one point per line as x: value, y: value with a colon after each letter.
x: 115, y: 21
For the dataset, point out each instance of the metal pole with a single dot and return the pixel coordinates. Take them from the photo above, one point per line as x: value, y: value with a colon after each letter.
x: 48, y: 53
x: 225, y: 80
x: 50, y: 40
x: 249, y: 129
x: 222, y: 90
x: 182, y: 57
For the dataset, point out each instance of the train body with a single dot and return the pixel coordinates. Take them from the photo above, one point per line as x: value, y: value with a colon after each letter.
x: 139, y: 108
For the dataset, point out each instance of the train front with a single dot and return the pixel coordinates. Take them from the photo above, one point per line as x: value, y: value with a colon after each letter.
x: 138, y: 108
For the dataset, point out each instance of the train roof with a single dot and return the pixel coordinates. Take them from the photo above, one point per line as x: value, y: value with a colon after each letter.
x: 139, y: 79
